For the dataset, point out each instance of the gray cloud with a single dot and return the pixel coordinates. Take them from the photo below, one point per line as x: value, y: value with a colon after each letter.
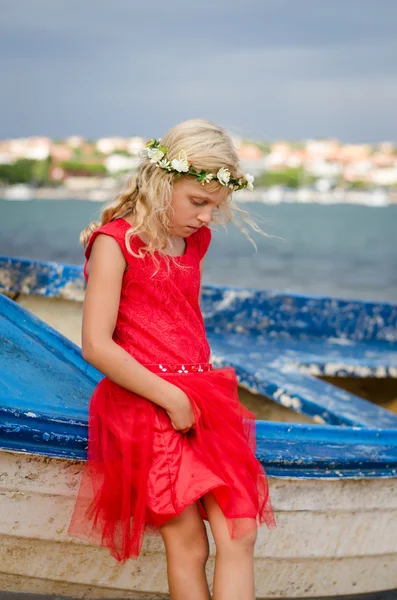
x: 284, y: 68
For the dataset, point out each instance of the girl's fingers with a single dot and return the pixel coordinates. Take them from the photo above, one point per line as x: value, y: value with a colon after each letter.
x: 182, y: 430
x: 185, y: 430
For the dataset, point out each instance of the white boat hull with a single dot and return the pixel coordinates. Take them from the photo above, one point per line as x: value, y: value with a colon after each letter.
x: 334, y: 537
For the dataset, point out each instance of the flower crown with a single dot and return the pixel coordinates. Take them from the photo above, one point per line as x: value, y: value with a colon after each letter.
x: 181, y: 166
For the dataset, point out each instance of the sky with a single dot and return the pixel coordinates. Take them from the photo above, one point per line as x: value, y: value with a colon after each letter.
x: 265, y: 69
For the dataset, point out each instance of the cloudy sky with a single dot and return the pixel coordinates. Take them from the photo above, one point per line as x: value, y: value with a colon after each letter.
x: 268, y: 69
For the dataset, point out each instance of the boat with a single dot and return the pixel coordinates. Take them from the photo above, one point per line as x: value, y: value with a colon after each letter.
x: 18, y: 191
x: 330, y: 455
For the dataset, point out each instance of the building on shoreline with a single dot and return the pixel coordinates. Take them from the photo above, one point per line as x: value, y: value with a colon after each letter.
x: 327, y: 164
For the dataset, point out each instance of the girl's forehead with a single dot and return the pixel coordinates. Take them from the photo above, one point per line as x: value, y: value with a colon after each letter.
x: 203, y: 192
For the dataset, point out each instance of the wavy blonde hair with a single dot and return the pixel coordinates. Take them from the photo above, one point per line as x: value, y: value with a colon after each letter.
x: 149, y: 192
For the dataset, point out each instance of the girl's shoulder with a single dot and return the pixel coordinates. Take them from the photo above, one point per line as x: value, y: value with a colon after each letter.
x: 202, y: 239
x: 115, y: 229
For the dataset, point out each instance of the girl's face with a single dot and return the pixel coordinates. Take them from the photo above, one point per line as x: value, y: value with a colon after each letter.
x: 193, y: 206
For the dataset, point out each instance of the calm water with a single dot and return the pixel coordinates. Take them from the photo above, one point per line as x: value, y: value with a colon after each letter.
x: 346, y: 251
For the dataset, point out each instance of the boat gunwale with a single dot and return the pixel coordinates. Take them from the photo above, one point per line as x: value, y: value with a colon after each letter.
x: 77, y: 270
x: 62, y: 438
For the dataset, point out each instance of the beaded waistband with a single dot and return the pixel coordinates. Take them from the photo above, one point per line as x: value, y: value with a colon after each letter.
x: 180, y: 368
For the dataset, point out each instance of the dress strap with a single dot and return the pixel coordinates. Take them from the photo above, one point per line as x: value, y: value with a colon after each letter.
x: 115, y: 229
x: 202, y: 239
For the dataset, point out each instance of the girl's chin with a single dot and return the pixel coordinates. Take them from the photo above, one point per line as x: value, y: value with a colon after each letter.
x: 183, y: 231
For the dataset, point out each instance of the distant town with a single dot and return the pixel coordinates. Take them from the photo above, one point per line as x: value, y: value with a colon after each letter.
x: 313, y: 170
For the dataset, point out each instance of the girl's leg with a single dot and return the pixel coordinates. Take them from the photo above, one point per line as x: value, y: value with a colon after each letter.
x: 234, y: 562
x: 186, y: 547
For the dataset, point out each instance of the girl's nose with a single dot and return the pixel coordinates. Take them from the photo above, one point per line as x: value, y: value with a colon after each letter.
x: 204, y: 217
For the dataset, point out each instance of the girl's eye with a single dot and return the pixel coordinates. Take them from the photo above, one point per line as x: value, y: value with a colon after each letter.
x: 196, y: 203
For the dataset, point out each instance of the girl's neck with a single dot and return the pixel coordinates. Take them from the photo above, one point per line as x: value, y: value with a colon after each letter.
x: 176, y: 246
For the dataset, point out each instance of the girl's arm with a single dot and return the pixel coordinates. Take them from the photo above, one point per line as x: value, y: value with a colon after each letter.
x: 106, y: 268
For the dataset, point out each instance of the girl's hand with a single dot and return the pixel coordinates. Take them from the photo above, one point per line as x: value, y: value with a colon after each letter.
x: 181, y: 413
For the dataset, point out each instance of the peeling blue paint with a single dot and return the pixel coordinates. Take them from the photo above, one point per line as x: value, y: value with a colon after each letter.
x: 49, y: 279
x: 286, y: 386
x: 281, y: 316
x: 276, y: 342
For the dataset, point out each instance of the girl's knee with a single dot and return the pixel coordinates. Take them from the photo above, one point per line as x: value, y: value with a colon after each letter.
x: 186, y: 539
x: 189, y: 548
x: 199, y: 550
x: 240, y: 546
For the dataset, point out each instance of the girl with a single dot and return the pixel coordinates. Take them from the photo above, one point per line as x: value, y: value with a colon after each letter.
x: 169, y: 442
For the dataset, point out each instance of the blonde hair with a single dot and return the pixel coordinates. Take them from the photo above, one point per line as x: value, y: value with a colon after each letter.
x: 149, y: 192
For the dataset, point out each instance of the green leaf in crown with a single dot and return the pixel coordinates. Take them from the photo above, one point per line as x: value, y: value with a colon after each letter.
x: 201, y: 176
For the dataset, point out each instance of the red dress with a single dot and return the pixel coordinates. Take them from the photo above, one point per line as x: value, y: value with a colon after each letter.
x: 141, y: 472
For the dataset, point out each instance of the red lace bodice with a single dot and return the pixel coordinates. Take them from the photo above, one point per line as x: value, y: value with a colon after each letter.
x: 159, y: 318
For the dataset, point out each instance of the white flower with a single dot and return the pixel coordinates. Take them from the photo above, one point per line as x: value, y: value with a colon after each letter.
x: 250, y: 181
x: 207, y: 178
x: 154, y: 154
x: 182, y: 166
x: 164, y: 163
x: 223, y: 176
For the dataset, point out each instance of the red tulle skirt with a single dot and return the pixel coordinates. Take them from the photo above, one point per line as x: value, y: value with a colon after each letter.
x: 141, y: 472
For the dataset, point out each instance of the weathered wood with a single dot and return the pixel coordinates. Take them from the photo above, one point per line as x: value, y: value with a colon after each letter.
x: 333, y: 538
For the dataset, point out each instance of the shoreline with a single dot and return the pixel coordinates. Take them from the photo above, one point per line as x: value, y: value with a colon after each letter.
x: 273, y: 195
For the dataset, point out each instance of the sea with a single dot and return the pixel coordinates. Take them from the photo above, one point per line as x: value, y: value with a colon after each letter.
x: 345, y: 251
